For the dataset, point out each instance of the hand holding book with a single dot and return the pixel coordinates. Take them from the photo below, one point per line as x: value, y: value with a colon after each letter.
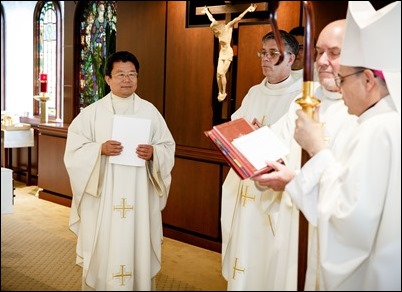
x: 246, y: 149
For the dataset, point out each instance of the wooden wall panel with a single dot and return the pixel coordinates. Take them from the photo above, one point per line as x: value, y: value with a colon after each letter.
x: 194, y: 200
x: 52, y: 173
x: 68, y: 65
x: 189, y: 78
x: 141, y: 27
x: 326, y: 12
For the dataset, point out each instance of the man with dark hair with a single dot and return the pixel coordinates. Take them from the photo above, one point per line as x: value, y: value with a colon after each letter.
x: 297, y: 67
x: 247, y: 231
x: 116, y: 207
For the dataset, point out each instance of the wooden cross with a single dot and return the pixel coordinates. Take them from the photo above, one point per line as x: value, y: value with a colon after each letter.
x: 123, y: 208
x: 122, y: 275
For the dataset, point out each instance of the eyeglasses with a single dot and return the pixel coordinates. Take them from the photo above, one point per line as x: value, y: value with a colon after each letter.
x: 271, y: 54
x: 130, y: 76
x: 339, y: 80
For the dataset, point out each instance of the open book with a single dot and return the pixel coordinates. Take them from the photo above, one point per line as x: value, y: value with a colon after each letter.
x: 245, y: 148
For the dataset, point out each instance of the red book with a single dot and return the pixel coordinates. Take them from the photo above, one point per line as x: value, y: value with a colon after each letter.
x: 240, y: 157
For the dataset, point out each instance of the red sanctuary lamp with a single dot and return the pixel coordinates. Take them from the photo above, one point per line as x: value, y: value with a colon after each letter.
x: 43, y: 97
x: 43, y: 83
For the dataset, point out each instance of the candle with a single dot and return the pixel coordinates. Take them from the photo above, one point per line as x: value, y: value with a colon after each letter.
x: 43, y: 82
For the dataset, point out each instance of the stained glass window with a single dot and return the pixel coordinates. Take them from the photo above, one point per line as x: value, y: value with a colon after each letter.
x: 98, y: 41
x: 47, y: 52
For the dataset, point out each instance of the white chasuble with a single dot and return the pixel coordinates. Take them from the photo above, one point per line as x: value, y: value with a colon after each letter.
x: 247, y: 231
x: 283, y: 264
x: 116, y: 209
x: 357, y: 209
x: 123, y: 223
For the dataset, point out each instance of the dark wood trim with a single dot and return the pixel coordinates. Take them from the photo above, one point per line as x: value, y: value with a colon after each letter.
x: 193, y: 239
x: 199, y: 154
x: 55, y: 198
x: 55, y: 130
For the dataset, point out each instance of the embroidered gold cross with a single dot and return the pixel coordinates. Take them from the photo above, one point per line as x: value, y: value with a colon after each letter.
x: 236, y: 269
x: 246, y: 196
x: 271, y: 225
x: 123, y: 208
x: 326, y: 138
x: 122, y: 275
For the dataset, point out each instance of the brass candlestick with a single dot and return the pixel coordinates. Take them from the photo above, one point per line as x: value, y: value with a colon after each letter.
x: 43, y: 98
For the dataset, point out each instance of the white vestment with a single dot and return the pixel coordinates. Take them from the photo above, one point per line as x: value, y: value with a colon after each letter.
x: 357, y: 208
x: 282, y: 267
x: 116, y: 209
x: 298, y: 73
x: 246, y: 229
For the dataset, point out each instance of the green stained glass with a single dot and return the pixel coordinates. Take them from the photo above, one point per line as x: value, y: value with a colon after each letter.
x: 98, y: 41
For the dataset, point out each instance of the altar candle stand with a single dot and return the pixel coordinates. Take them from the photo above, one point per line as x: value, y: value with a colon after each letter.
x: 43, y: 98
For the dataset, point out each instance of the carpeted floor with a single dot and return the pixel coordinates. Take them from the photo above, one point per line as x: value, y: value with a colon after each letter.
x: 38, y: 252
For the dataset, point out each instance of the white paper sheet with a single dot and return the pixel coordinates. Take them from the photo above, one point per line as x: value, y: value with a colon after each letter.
x: 130, y: 131
x: 260, y: 146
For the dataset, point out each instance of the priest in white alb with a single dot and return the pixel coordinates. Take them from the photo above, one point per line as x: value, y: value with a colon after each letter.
x: 116, y: 207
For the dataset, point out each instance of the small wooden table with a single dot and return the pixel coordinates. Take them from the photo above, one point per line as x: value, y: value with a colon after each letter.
x: 17, y: 137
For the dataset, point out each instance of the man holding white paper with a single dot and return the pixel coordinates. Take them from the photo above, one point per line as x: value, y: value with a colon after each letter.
x: 116, y: 207
x: 123, y: 126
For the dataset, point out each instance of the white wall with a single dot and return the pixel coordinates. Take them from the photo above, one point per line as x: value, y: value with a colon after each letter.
x: 18, y: 23
x: 18, y: 20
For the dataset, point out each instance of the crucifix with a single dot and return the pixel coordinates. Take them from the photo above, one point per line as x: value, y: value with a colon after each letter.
x: 223, y: 31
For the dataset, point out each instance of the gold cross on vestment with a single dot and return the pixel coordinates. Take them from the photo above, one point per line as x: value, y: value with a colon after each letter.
x: 124, y: 207
x: 122, y: 275
x: 236, y: 269
x: 246, y: 196
x: 271, y: 225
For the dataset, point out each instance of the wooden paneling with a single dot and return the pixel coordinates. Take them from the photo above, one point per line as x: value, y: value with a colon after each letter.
x: 195, y: 200
x: 52, y: 174
x: 189, y: 78
x: 68, y: 66
x: 141, y: 27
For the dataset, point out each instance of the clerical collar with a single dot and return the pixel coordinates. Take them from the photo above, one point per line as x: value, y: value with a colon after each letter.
x: 116, y: 97
x: 372, y: 105
x: 384, y: 106
x: 333, y: 95
x: 122, y: 105
x: 284, y: 83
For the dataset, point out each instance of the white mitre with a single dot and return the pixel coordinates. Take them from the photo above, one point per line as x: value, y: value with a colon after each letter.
x: 373, y: 40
